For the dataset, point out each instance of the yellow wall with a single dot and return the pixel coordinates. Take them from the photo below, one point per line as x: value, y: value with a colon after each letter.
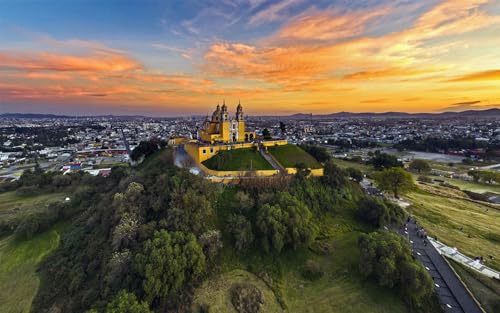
x: 314, y: 171
x: 261, y: 173
x: 195, y: 151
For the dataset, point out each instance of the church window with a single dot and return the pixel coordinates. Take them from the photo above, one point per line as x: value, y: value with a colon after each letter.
x: 204, y: 151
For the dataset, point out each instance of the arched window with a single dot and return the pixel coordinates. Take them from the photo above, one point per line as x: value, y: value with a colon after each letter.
x: 246, y: 137
x: 251, y: 137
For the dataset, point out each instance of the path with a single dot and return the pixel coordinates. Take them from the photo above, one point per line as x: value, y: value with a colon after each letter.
x: 452, y: 293
x: 453, y: 253
x: 265, y: 154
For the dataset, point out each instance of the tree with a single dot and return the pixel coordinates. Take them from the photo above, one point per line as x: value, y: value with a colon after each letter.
x: 420, y: 166
x: 266, y: 134
x: 285, y: 222
x: 167, y: 262
x: 395, y: 180
x: 379, y: 213
x: 211, y: 243
x: 474, y: 174
x: 384, y: 160
x: 243, y: 201
x: 319, y: 153
x: 354, y: 173
x: 387, y: 257
x: 126, y: 302
x: 144, y: 149
x: 282, y: 128
x: 241, y: 231
x: 333, y: 176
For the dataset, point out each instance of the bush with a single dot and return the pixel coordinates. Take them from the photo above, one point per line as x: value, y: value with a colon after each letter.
x: 379, y: 213
x: 387, y: 258
x: 241, y: 231
x: 424, y: 179
x: 246, y: 298
x: 312, y: 270
x: 27, y: 191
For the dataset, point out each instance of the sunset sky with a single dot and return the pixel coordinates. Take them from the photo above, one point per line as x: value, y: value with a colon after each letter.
x: 170, y: 58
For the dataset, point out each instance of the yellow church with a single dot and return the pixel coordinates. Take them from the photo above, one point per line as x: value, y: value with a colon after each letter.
x: 222, y: 129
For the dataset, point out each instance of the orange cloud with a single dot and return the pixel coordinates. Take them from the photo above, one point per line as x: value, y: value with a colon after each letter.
x: 99, y: 61
x: 328, y: 26
x: 485, y: 75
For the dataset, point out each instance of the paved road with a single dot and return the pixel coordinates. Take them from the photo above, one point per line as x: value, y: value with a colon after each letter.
x: 452, y: 293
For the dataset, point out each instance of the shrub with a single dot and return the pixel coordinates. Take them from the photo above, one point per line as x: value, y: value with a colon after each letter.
x: 424, y: 179
x: 246, y: 298
x: 312, y: 270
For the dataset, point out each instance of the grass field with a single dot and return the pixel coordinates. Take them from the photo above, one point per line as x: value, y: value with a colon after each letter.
x: 13, y: 205
x: 471, y: 227
x: 471, y: 186
x: 485, y: 290
x: 365, y: 168
x: 238, y: 159
x: 215, y: 292
x: 290, y: 155
x: 18, y: 262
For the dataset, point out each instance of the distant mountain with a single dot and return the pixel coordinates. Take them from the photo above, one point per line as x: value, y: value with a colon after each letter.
x: 490, y: 113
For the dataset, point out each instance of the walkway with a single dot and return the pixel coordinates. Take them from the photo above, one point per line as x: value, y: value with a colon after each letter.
x: 452, y: 293
x: 265, y: 154
x: 453, y: 253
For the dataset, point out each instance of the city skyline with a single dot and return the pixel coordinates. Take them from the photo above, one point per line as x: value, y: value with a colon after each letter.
x: 286, y: 57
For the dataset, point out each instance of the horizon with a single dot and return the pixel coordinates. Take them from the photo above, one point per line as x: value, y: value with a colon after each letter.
x: 251, y: 115
x: 278, y: 57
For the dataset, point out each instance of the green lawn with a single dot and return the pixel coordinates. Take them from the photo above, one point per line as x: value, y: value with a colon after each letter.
x: 290, y: 155
x: 13, y: 205
x: 18, y: 263
x: 471, y: 227
x: 486, y: 290
x: 238, y: 160
x: 215, y: 292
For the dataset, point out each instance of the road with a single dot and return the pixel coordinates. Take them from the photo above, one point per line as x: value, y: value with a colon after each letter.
x: 452, y: 293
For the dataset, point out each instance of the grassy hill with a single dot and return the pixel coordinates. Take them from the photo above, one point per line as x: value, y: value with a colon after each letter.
x: 340, y: 289
x: 486, y: 290
x: 18, y: 265
x: 471, y: 227
x: 291, y: 155
x: 238, y: 160
x: 13, y: 205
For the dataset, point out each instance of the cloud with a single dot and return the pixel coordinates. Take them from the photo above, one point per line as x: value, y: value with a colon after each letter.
x: 469, y: 105
x: 273, y: 12
x: 329, y: 44
x: 478, y: 76
x: 185, y: 53
x: 328, y: 25
x: 98, y: 61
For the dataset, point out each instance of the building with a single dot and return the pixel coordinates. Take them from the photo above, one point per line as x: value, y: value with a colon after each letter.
x: 222, y: 129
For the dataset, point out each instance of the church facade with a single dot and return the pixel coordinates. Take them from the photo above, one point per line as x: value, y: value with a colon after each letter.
x: 220, y: 128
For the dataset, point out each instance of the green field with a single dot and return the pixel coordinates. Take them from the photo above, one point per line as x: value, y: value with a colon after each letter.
x: 238, y: 160
x: 18, y: 264
x: 215, y: 292
x: 13, y: 205
x: 471, y: 227
x: 291, y: 155
x: 470, y: 185
x: 486, y: 290
x: 364, y: 168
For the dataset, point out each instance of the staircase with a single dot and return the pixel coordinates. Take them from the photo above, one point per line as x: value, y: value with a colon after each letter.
x: 265, y: 154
